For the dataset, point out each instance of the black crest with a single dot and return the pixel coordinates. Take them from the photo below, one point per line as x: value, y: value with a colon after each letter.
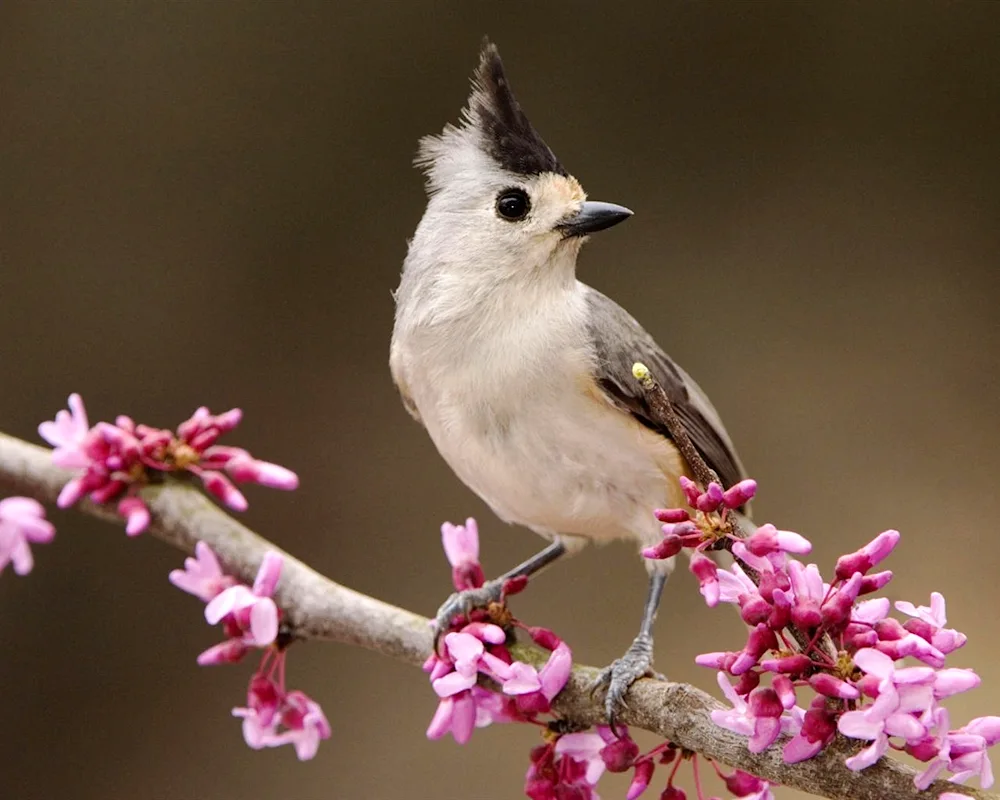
x: 507, y: 134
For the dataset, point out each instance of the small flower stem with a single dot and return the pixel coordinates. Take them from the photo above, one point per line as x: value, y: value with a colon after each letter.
x: 697, y: 777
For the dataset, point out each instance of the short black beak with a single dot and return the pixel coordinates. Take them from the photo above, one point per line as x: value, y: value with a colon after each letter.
x: 593, y: 217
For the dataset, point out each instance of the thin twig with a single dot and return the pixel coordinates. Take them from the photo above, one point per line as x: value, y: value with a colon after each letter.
x: 318, y: 608
x: 663, y: 408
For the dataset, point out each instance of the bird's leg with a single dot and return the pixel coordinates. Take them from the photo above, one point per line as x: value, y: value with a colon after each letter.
x: 638, y: 659
x: 461, y: 603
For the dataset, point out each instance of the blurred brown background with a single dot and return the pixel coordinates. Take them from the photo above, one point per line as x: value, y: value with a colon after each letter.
x: 209, y: 203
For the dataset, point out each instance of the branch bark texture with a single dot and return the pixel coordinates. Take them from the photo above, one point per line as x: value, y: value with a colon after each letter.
x: 318, y: 608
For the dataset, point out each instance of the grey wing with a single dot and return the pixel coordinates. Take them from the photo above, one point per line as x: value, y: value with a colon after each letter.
x: 619, y: 342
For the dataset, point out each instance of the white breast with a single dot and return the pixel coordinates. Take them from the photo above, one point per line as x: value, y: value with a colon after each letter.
x: 512, y: 409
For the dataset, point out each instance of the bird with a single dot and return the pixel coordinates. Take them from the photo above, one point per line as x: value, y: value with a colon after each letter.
x: 522, y: 374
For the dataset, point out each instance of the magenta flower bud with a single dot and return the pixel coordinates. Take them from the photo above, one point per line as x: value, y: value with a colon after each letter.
x: 755, y: 610
x: 764, y: 702
x: 668, y: 548
x: 706, y: 571
x: 947, y: 640
x: 925, y: 749
x: 889, y: 629
x: 819, y: 724
x: 620, y: 754
x: 640, y: 779
x: 780, y: 616
x: 691, y: 490
x: 671, y: 515
x: 681, y: 529
x: 768, y: 539
x: 987, y: 727
x: 791, y: 665
x: 543, y: 637
x: 218, y: 484
x: 914, y: 646
x: 770, y: 581
x: 921, y: 628
x: 766, y: 709
x: 533, y: 703
x: 785, y: 690
x: 250, y: 470
x: 747, y: 683
x: 857, y: 637
x: 227, y: 652
x: 954, y: 681
x: 806, y: 614
x: 868, y: 556
x: 740, y: 493
x: 109, y: 491
x: 136, y: 515
x: 868, y: 685
x: 836, y: 611
x: 875, y: 581
x: 760, y: 640
x: 673, y: 793
x: 742, y: 783
x: 830, y: 686
x: 721, y: 660
x: 711, y: 499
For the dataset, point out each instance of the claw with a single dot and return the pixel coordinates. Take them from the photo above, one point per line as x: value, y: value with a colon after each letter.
x: 619, y: 676
x: 462, y: 604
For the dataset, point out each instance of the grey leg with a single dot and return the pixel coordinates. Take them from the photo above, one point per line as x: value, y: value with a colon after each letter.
x: 465, y: 601
x: 638, y: 659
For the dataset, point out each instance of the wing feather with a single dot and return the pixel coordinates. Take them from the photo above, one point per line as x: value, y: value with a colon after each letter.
x: 619, y: 342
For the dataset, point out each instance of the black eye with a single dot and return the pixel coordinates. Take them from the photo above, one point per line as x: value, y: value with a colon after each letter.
x: 513, y: 204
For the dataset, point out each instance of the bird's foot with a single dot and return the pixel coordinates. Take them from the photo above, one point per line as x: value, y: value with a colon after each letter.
x: 463, y: 603
x: 619, y: 676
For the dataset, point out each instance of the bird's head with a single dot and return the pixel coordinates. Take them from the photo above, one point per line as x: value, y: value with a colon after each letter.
x: 499, y: 200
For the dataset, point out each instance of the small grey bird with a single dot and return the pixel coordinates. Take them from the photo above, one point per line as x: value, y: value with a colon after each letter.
x: 522, y: 374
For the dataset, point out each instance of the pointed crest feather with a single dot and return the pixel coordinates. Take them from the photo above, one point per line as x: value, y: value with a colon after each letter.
x: 494, y: 122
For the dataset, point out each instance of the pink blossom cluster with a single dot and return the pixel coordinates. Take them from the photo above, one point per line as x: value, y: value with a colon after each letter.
x: 847, y: 652
x: 570, y: 765
x: 567, y: 766
x: 115, y: 461
x: 479, y: 647
x: 22, y: 523
x: 250, y: 618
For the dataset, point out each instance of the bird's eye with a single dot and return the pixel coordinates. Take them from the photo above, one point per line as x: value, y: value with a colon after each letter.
x: 513, y: 204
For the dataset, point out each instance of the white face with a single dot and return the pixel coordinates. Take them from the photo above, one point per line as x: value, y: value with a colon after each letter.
x: 481, y: 218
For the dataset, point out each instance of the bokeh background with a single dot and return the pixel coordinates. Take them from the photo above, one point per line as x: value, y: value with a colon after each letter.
x: 208, y: 202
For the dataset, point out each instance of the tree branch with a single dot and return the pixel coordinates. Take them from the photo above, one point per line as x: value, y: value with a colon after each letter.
x: 317, y: 608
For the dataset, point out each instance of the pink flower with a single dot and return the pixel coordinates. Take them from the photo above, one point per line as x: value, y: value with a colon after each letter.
x: 706, y: 571
x: 461, y: 547
x: 305, y: 725
x: 767, y: 539
x: 868, y: 556
x: 22, y: 521
x: 586, y: 748
x: 251, y: 614
x: 455, y: 715
x: 202, y: 576
x: 904, y: 695
x: 465, y: 650
x: 762, y: 719
x: 928, y: 623
x: 115, y: 461
x: 553, y: 776
x: 273, y: 717
x: 67, y: 433
x: 818, y: 727
x: 535, y: 691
